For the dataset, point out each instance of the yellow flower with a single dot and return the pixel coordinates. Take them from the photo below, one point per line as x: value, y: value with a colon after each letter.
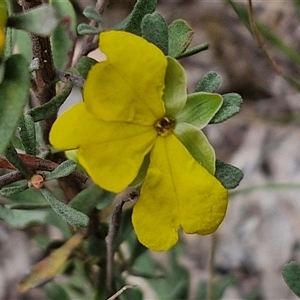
x: 135, y: 103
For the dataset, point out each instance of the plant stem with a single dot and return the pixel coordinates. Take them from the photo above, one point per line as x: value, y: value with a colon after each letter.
x: 90, y: 41
x: 111, y: 239
x: 210, y: 281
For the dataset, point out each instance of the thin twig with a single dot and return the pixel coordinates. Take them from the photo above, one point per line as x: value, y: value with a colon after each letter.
x: 10, y: 178
x: 112, y: 236
x: 77, y: 80
x: 121, y: 291
x: 44, y: 86
x: 34, y: 163
x: 90, y: 41
x: 259, y: 39
x: 210, y: 281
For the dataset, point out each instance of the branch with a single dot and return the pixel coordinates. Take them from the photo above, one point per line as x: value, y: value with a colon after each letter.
x: 121, y: 291
x: 90, y: 42
x: 112, y: 236
x: 259, y: 39
x: 10, y: 178
x: 34, y: 163
x: 77, y: 80
x: 44, y: 86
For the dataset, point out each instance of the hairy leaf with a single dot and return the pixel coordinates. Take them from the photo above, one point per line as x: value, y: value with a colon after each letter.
x: 67, y: 213
x: 155, y: 31
x: 64, y: 36
x: 232, y: 103
x: 209, y: 83
x: 180, y: 36
x: 41, y: 20
x: 291, y: 275
x: 141, y: 8
x: 228, y: 175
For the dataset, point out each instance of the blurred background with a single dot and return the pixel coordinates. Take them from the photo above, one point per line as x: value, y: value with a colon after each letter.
x: 261, y: 231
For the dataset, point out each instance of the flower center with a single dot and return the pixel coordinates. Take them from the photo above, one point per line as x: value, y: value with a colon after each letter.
x: 164, y: 126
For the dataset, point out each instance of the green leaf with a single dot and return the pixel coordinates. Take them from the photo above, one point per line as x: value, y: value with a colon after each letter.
x: 209, y: 83
x: 85, y: 29
x: 11, y: 190
x: 197, y: 144
x: 291, y: 275
x: 50, y: 108
x: 41, y: 20
x: 228, y: 175
x: 180, y: 37
x: 175, y: 92
x: 12, y: 156
x: 92, y: 14
x: 21, y: 39
x: 54, y: 219
x: 29, y: 198
x: 27, y: 134
x: 90, y: 198
x: 200, y: 108
x: 64, y: 36
x: 14, y: 92
x: 138, y: 180
x: 155, y: 30
x: 141, y: 8
x: 64, y: 169
x: 67, y: 213
x: 22, y: 219
x: 84, y: 65
x: 232, y: 103
x: 55, y: 291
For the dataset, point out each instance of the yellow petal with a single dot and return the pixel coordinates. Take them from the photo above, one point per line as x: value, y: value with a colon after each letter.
x: 111, y: 152
x: 2, y: 42
x: 177, y: 192
x: 128, y: 86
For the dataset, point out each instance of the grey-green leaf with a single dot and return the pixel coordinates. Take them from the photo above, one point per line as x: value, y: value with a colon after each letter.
x: 50, y: 108
x: 155, y: 31
x: 232, y: 103
x: 21, y: 219
x: 64, y: 169
x: 291, y: 275
x: 67, y: 213
x: 85, y: 29
x: 21, y: 39
x: 14, y: 92
x: 92, y: 197
x: 11, y: 190
x: 209, y: 83
x: 141, y: 8
x: 200, y: 108
x: 64, y: 36
x: 92, y: 14
x: 41, y: 20
x: 55, y: 291
x: 230, y: 176
x: 27, y: 134
x: 84, y: 65
x: 180, y: 37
